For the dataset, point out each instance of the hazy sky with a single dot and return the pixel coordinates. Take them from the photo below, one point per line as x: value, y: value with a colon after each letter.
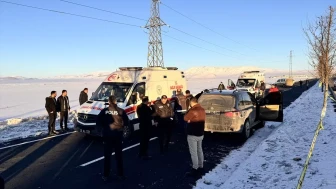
x: 36, y: 43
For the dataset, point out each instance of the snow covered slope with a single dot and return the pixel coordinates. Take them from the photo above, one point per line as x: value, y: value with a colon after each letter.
x: 278, y: 160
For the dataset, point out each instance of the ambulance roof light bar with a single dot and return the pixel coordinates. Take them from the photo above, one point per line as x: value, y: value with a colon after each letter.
x: 130, y: 68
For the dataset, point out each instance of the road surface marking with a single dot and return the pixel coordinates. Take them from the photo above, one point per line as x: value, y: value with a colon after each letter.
x: 20, y: 144
x: 101, y: 158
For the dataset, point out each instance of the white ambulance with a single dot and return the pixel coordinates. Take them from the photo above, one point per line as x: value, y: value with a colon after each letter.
x: 250, y: 81
x: 129, y: 85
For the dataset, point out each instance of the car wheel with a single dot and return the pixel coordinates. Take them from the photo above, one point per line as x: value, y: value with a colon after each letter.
x: 127, y: 131
x: 246, y: 130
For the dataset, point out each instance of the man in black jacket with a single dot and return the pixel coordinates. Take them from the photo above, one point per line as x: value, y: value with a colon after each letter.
x: 50, y: 106
x: 145, y: 113
x: 63, y: 107
x: 112, y: 120
x: 164, y: 115
x: 83, y: 97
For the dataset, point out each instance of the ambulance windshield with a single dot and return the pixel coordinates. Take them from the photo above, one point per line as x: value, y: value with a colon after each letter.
x: 106, y: 89
x: 245, y: 82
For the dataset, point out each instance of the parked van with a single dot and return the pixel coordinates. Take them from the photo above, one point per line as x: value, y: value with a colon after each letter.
x: 129, y: 85
x: 250, y: 81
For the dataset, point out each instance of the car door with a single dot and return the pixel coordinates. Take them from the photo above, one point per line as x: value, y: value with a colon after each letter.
x: 253, y: 106
x: 271, y: 107
x: 231, y: 84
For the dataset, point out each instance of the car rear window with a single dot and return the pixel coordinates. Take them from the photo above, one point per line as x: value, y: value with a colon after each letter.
x: 217, y: 102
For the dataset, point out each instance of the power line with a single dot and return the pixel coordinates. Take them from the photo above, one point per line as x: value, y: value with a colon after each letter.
x: 103, y: 10
x: 206, y: 41
x: 196, y: 45
x: 77, y: 15
x: 203, y: 25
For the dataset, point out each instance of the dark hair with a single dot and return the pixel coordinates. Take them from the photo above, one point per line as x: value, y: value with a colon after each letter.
x: 193, y: 99
x: 63, y: 91
x: 187, y: 92
x: 164, y: 97
x: 52, y: 92
x: 85, y: 89
x: 112, y: 99
x: 145, y: 99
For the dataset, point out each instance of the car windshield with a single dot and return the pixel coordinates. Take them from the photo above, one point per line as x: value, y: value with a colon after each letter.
x: 245, y: 82
x: 106, y: 89
x: 215, y: 102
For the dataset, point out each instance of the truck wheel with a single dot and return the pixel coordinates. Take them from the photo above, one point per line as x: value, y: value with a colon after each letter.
x: 246, y: 130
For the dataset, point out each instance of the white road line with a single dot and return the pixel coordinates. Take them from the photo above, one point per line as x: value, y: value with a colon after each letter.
x: 46, y: 138
x: 101, y: 158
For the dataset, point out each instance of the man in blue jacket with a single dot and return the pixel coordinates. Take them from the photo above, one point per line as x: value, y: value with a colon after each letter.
x: 112, y: 120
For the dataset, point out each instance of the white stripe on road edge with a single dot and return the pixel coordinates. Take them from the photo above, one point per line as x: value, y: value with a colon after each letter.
x: 36, y: 140
x: 101, y: 158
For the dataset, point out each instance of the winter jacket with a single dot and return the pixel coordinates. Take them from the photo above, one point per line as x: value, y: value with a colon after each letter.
x: 63, y: 104
x: 182, y: 101
x: 50, y: 104
x: 221, y: 86
x: 83, y: 97
x: 112, y: 121
x: 196, y: 116
x: 188, y: 98
x: 272, y: 90
x: 163, y: 110
x: 262, y: 86
x: 145, y: 114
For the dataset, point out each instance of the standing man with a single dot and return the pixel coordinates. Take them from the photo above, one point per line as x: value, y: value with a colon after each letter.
x: 195, y: 130
x: 221, y: 86
x: 300, y: 83
x: 112, y: 120
x: 50, y: 106
x: 307, y: 84
x: 64, y: 108
x: 83, y: 97
x: 145, y: 113
x: 188, y: 98
x: 164, y: 115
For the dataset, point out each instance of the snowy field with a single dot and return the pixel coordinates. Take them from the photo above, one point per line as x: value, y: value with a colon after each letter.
x: 276, y: 160
x: 22, y: 100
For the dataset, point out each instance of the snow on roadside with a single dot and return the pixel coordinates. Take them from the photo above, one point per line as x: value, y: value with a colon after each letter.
x: 29, y: 127
x: 278, y: 160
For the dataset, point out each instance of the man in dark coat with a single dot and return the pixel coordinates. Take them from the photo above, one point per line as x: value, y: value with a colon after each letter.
x: 112, y: 120
x: 189, y: 96
x: 221, y: 86
x: 145, y: 113
x: 83, y: 97
x: 50, y: 106
x: 63, y: 107
x: 164, y: 115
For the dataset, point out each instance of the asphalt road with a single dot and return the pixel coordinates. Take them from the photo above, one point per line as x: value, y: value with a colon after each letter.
x: 56, y: 163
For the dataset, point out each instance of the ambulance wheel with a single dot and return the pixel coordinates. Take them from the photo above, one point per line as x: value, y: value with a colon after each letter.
x: 128, y: 130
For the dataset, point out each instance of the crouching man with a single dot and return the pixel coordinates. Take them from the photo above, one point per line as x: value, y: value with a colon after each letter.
x: 112, y: 120
x: 195, y: 119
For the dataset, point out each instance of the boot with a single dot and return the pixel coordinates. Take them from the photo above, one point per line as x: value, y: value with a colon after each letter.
x: 192, y: 173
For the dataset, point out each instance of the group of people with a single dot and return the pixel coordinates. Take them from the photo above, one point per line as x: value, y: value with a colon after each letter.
x: 61, y: 105
x: 166, y: 115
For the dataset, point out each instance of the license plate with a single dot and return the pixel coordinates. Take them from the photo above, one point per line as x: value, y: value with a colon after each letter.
x: 85, y: 131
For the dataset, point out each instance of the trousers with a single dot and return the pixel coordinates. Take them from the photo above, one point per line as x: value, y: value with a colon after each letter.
x: 110, y: 143
x: 52, y: 120
x: 196, y: 152
x: 64, y: 118
x: 165, y: 129
x: 144, y: 141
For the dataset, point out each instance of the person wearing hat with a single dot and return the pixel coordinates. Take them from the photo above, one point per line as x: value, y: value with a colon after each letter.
x: 164, y: 116
x: 112, y: 120
x: 144, y: 112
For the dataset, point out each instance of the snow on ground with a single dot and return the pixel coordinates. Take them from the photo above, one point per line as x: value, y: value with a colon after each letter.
x: 278, y: 160
x: 22, y: 100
